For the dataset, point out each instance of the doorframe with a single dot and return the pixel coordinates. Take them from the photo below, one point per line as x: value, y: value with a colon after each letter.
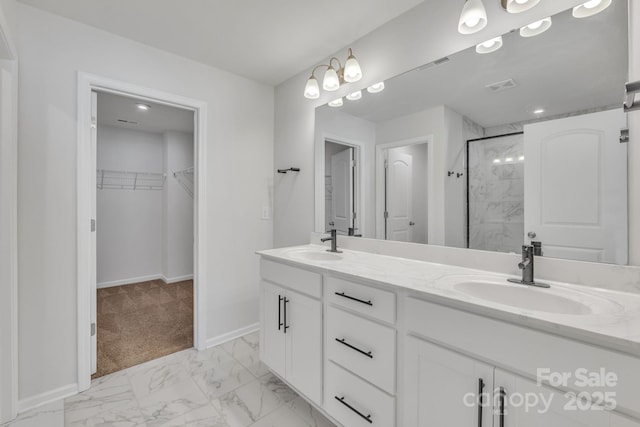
x: 358, y: 197
x: 86, y: 177
x: 380, y: 182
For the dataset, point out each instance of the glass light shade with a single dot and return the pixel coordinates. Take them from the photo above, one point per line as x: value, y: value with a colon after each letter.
x: 517, y: 6
x: 376, y: 88
x: 331, y: 81
x: 590, y: 8
x: 352, y: 70
x: 312, y: 90
x: 489, y: 46
x: 354, y: 96
x: 336, y: 103
x: 536, y: 28
x: 473, y: 17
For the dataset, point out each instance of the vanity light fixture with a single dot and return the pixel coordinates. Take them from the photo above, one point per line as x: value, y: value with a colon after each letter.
x: 336, y: 103
x: 143, y: 107
x: 538, y: 111
x: 590, y: 8
x: 517, y: 6
x: 521, y: 158
x: 489, y: 46
x: 496, y: 160
x: 473, y: 17
x: 376, y: 88
x: 354, y: 96
x: 536, y: 28
x: 333, y: 78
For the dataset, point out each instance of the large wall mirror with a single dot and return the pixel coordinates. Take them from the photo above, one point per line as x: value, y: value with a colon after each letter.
x: 511, y: 142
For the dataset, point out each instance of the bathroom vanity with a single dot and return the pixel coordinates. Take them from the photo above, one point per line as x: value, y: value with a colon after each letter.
x: 377, y: 340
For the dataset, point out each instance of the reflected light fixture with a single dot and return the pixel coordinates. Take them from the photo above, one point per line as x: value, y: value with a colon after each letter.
x: 333, y: 77
x: 536, y: 28
x: 517, y: 6
x: 489, y: 46
x: 336, y: 103
x: 143, y: 107
x: 590, y: 8
x: 473, y: 17
x: 538, y: 111
x: 354, y: 96
x: 376, y: 88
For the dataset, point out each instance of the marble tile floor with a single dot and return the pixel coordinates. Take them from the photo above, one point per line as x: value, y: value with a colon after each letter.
x: 224, y: 386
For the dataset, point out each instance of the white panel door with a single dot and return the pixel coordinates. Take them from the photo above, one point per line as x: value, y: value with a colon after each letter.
x: 342, y: 195
x: 576, y: 187
x: 398, y: 196
x: 442, y: 388
x: 94, y: 256
x: 304, y: 344
x: 272, y: 337
x: 547, y: 407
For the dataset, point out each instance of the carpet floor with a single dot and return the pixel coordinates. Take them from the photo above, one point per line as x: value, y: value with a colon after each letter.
x: 141, y: 322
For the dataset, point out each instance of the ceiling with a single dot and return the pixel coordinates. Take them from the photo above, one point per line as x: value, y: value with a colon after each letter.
x: 112, y: 109
x: 268, y: 41
x: 577, y: 65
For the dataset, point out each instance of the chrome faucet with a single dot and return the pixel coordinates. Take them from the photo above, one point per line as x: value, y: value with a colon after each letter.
x: 526, y: 265
x: 334, y: 241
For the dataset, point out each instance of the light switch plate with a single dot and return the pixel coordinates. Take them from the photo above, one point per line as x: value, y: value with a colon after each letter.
x: 266, y: 212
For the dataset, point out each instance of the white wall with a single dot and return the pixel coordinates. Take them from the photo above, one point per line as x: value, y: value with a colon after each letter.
x: 177, y: 208
x: 424, y: 34
x: 8, y: 213
x: 240, y: 132
x: 129, y: 222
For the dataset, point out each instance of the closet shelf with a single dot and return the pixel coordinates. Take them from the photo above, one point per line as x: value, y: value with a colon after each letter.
x: 185, y: 178
x: 125, y: 180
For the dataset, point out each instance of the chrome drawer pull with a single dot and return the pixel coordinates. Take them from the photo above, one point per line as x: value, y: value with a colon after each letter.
x: 342, y: 294
x: 366, y: 417
x: 366, y: 353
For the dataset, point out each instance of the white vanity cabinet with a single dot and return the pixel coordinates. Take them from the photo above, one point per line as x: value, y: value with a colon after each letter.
x: 291, y: 326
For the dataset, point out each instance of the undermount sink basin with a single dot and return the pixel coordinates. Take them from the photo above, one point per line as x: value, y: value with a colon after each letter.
x: 316, y: 256
x: 555, y: 300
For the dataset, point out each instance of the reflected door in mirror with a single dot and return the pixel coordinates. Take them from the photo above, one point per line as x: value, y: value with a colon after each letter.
x: 342, y: 180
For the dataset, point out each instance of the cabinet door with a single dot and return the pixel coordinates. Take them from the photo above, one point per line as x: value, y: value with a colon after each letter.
x: 528, y: 405
x: 441, y: 388
x: 304, y: 345
x: 272, y: 337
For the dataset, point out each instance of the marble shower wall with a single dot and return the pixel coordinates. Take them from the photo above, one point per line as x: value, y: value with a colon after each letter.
x: 496, y: 194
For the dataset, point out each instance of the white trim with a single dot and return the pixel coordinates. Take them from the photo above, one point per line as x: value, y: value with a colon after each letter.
x: 5, y: 38
x: 380, y: 158
x: 9, y: 225
x: 221, y: 339
x: 169, y: 280
x: 319, y: 194
x: 86, y: 84
x: 131, y: 281
x: 47, y: 397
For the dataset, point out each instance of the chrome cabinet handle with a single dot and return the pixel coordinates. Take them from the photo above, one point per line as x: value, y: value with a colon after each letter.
x: 286, y: 300
x: 343, y: 295
x: 366, y: 417
x: 280, y: 312
x: 344, y: 342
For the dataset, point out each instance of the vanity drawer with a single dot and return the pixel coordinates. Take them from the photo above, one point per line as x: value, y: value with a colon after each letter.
x: 362, y: 299
x: 357, y: 336
x: 304, y: 281
x: 362, y: 399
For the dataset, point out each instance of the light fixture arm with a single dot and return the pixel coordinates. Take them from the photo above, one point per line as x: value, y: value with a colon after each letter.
x: 339, y: 63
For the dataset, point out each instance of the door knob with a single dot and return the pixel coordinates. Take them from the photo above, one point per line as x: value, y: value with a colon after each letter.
x: 332, y: 223
x: 532, y: 234
x: 411, y: 223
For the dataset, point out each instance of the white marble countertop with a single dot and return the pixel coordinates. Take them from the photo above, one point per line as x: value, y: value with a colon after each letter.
x: 614, y: 320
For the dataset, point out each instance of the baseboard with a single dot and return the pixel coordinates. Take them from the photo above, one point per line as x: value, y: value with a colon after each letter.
x: 176, y: 279
x: 221, y: 339
x: 47, y: 397
x: 130, y: 281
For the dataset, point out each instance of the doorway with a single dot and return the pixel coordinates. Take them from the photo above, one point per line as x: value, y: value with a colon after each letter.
x: 340, y: 188
x: 144, y: 231
x: 403, y: 188
x: 88, y: 179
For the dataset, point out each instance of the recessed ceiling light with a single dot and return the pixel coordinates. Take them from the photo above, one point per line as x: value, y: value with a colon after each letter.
x: 143, y: 107
x: 375, y: 88
x: 538, y: 111
x: 536, y: 28
x: 489, y: 46
x: 336, y: 103
x: 354, y: 96
x: 590, y: 8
